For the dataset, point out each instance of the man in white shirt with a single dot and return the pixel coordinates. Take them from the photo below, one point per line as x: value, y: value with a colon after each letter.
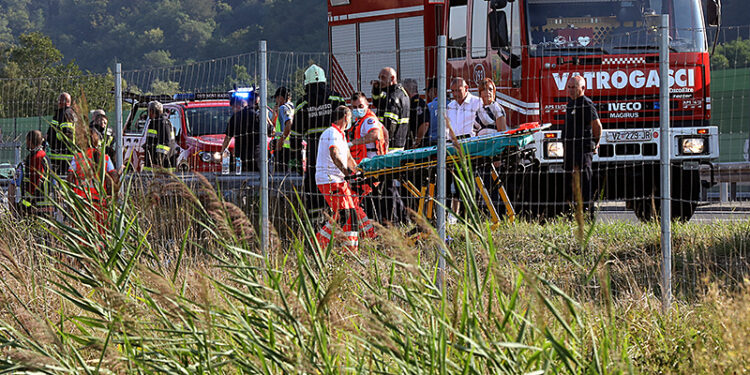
x: 462, y: 110
x: 334, y: 162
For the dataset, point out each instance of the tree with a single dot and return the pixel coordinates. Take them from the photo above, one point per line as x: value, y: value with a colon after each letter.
x: 736, y: 53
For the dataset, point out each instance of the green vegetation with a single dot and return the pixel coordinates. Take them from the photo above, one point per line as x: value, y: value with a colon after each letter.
x: 183, y: 288
x: 139, y: 34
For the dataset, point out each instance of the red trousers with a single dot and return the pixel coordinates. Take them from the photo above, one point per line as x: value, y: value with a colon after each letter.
x: 347, y: 212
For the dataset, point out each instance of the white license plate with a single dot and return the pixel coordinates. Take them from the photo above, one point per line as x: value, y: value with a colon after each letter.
x: 628, y: 136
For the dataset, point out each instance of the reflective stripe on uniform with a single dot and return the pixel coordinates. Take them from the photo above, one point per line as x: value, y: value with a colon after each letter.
x: 162, y: 149
x: 315, y: 130
x: 152, y: 131
x: 379, y: 96
x: 26, y: 203
x: 160, y: 169
x: 300, y: 105
x: 336, y: 98
x: 60, y: 156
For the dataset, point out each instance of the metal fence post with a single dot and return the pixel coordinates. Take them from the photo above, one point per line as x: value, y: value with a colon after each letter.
x: 441, y: 170
x: 666, y: 153
x: 263, y: 155
x: 17, y: 152
x: 118, y: 115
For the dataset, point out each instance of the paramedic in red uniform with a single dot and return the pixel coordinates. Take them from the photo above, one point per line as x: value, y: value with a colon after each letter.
x: 34, y: 191
x: 369, y: 138
x: 334, y: 162
x: 84, y: 175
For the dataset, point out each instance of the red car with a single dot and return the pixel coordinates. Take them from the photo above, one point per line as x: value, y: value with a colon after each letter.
x: 199, y: 122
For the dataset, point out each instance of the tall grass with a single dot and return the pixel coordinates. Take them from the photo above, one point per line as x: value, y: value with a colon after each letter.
x: 185, y: 289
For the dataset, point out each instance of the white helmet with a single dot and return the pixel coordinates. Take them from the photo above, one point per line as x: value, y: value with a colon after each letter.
x: 314, y: 74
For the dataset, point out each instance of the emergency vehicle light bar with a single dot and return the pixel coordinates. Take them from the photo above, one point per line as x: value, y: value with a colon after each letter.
x: 202, y: 96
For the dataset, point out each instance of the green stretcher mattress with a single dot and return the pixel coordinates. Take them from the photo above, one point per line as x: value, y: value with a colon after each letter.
x: 483, y: 146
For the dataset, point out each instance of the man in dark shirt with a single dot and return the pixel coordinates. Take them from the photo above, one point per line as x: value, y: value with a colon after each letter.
x: 580, y: 141
x: 244, y: 127
x: 418, y: 114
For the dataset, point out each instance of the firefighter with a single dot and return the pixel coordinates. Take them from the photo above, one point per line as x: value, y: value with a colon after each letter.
x: 159, y: 138
x: 85, y: 174
x: 418, y: 114
x: 369, y: 138
x: 285, y: 154
x: 333, y: 163
x: 35, y: 181
x: 311, y: 118
x: 99, y: 122
x: 61, y: 135
x: 392, y: 104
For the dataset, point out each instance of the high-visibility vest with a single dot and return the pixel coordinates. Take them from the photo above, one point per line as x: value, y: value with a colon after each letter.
x: 84, y: 186
x: 279, y: 129
x: 359, y: 152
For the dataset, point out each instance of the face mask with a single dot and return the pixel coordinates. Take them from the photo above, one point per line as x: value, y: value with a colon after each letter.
x: 359, y: 112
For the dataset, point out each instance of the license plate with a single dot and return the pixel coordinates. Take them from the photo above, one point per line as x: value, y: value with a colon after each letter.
x: 628, y: 136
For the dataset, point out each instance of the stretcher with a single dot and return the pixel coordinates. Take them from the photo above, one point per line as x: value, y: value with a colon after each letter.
x: 416, y: 169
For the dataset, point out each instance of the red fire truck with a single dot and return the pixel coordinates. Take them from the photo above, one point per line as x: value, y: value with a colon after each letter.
x: 530, y: 48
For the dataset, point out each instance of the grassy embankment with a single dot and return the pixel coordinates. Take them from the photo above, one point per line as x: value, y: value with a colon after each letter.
x: 184, y: 291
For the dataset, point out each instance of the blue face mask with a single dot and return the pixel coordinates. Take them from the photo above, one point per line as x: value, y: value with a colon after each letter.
x: 359, y: 112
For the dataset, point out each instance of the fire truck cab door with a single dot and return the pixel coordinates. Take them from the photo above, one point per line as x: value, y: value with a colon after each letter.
x: 505, y: 41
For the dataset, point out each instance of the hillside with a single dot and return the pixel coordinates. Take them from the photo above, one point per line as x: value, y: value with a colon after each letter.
x: 146, y: 33
x: 151, y: 33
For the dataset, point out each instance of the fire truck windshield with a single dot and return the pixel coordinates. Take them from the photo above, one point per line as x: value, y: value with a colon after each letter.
x: 207, y: 120
x: 575, y: 27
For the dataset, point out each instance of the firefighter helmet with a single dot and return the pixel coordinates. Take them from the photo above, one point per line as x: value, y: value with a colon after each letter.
x: 314, y: 74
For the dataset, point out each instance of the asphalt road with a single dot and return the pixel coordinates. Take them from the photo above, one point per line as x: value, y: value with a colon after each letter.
x: 729, y: 211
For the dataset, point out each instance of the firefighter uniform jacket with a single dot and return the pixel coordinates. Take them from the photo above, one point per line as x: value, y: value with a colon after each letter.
x: 107, y: 139
x: 313, y: 116
x: 159, y: 139
x: 392, y: 106
x: 61, y: 137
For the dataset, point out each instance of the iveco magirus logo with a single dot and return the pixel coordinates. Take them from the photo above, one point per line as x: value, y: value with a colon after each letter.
x: 620, y: 79
x: 622, y: 107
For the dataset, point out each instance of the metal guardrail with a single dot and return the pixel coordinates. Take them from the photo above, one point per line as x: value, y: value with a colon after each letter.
x: 725, y: 172
x: 277, y: 182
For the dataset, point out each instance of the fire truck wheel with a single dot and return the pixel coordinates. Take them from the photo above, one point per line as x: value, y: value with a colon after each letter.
x: 649, y: 209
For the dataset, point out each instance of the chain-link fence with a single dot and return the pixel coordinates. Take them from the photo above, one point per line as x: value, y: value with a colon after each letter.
x: 536, y: 141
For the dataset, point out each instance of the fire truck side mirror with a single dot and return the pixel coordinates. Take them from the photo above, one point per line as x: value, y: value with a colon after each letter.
x: 498, y: 4
x: 498, y: 30
x: 713, y: 12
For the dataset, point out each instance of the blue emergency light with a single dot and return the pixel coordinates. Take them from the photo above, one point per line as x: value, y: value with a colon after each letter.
x: 244, y: 93
x: 184, y: 96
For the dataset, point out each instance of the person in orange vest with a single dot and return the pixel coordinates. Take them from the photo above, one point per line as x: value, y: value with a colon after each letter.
x: 85, y: 175
x: 369, y: 138
x: 333, y: 164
